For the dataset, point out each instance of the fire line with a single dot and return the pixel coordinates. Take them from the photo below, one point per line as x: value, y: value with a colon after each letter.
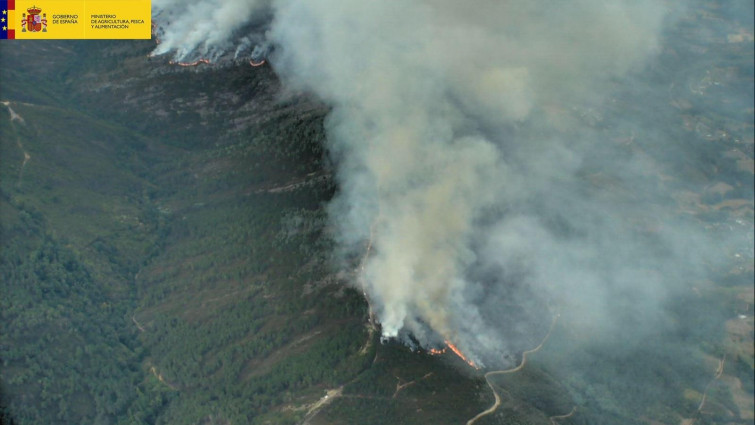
x: 460, y: 354
x: 195, y: 63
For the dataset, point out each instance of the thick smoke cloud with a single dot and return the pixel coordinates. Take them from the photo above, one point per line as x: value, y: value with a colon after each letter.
x: 204, y: 28
x: 497, y: 156
x: 427, y: 97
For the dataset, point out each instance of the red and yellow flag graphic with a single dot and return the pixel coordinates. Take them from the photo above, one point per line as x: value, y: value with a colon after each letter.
x: 75, y: 19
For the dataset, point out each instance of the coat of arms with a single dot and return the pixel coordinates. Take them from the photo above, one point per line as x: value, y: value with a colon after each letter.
x: 33, y: 22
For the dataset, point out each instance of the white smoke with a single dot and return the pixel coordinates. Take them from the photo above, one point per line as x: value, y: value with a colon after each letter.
x: 422, y: 94
x: 470, y: 153
x: 201, y: 28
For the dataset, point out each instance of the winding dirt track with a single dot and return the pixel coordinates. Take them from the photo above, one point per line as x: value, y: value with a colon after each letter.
x: 400, y: 386
x: 138, y: 325
x: 716, y: 376
x: 559, y: 417
x: 15, y: 117
x: 497, y: 403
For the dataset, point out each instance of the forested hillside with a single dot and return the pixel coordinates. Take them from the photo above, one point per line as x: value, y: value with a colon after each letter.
x: 166, y: 258
x: 164, y: 250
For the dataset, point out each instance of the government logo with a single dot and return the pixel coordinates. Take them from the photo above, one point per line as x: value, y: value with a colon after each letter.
x: 33, y: 22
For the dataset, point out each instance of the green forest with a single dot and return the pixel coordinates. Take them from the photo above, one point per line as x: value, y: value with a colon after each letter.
x: 166, y: 259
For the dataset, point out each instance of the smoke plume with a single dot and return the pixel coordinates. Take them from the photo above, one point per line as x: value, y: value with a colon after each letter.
x: 207, y: 28
x: 508, y: 160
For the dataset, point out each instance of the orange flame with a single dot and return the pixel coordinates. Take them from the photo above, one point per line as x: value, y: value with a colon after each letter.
x: 436, y: 352
x: 154, y: 33
x: 460, y: 354
x: 195, y: 63
x: 253, y: 63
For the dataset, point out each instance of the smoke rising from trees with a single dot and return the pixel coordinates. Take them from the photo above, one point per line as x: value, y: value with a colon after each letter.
x: 507, y: 159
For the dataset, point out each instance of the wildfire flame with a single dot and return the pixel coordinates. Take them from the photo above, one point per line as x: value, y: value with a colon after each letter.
x: 253, y: 63
x: 157, y: 41
x: 195, y: 63
x: 460, y: 354
x: 436, y: 352
x: 154, y: 33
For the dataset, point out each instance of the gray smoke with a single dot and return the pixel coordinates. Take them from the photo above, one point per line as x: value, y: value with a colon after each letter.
x: 426, y: 99
x: 499, y: 157
x: 204, y: 29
